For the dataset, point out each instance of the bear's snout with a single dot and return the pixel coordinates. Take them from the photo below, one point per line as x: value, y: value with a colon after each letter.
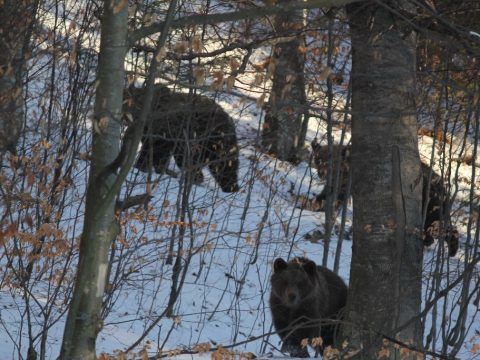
x: 292, y: 297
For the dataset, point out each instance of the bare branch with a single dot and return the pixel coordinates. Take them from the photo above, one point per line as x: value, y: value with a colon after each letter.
x: 236, y: 15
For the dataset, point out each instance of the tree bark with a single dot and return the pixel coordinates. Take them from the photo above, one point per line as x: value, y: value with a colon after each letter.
x: 385, y: 277
x: 100, y: 227
x: 16, y: 18
x: 282, y: 133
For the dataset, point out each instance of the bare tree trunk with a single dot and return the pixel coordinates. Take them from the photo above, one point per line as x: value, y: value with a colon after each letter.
x: 16, y: 18
x: 100, y: 227
x: 385, y: 278
x: 282, y: 132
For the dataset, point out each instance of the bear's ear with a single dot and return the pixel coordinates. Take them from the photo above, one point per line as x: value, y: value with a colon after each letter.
x: 279, y: 265
x: 310, y: 267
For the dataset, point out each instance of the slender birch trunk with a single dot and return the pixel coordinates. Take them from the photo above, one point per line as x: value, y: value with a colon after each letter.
x: 100, y: 227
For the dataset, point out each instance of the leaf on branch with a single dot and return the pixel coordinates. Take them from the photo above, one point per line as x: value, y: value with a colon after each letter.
x: 258, y: 80
x: 384, y: 353
x: 102, y: 125
x: 199, y: 75
x: 72, y: 57
x: 331, y: 353
x: 302, y: 49
x: 230, y: 82
x: 197, y: 44
x: 181, y: 47
x: 28, y: 220
x: 368, y: 228
x: 260, y: 101
x: 162, y: 52
x: 234, y: 65
x: 120, y: 6
x: 129, y: 118
x: 404, y: 352
x: 30, y: 178
x: 290, y: 78
x: 177, y: 320
x: 11, y: 229
x: 325, y: 73
x: 45, y: 144
x: 317, y: 341
x: 202, y: 348
x: 271, y: 68
x: 143, y: 354
x: 72, y: 27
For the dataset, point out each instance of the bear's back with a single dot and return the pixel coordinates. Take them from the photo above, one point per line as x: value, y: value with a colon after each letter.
x: 337, y: 289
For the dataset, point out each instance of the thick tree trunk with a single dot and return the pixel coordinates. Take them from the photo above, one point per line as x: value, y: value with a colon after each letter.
x: 100, y: 228
x: 385, y: 278
x: 16, y: 18
x: 282, y: 133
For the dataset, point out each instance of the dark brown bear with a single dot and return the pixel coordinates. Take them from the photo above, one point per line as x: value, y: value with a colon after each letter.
x: 303, y: 299
x: 193, y: 129
x: 340, y: 170
x: 434, y: 197
x: 438, y: 208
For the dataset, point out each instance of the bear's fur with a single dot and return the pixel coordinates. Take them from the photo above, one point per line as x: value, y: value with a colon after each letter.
x: 304, y: 297
x: 436, y: 200
x: 193, y: 129
x: 340, y: 170
x: 438, y: 208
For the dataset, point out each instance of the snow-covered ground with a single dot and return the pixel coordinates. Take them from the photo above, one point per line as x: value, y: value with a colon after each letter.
x: 228, y: 246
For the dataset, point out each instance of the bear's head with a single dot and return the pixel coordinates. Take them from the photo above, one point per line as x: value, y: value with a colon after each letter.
x: 293, y: 282
x: 321, y: 156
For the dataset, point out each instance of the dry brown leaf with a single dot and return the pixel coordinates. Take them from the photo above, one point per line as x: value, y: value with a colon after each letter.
x: 317, y: 342
x: 230, y: 82
x: 181, y: 47
x: 258, y: 79
x: 234, y: 65
x: 162, y: 52
x: 384, y: 353
x: 197, y: 44
x: 199, y: 75
x: 103, y: 123
x: 325, y: 73
x: 260, y: 101
x: 122, y: 4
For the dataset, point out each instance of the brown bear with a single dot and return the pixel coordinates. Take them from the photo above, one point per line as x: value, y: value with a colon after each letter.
x: 438, y: 208
x: 193, y: 129
x: 434, y: 193
x: 304, y: 300
x: 340, y: 170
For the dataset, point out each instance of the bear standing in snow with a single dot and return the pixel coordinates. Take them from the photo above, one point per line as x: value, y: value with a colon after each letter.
x: 303, y: 298
x: 193, y: 129
x: 434, y: 193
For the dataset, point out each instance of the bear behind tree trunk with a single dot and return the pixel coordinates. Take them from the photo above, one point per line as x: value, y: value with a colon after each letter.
x: 436, y: 204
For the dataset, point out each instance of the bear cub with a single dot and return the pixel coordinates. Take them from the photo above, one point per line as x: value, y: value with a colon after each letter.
x: 304, y: 297
x: 193, y: 129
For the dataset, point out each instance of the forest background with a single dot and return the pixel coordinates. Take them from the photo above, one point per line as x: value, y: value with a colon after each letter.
x: 102, y: 260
